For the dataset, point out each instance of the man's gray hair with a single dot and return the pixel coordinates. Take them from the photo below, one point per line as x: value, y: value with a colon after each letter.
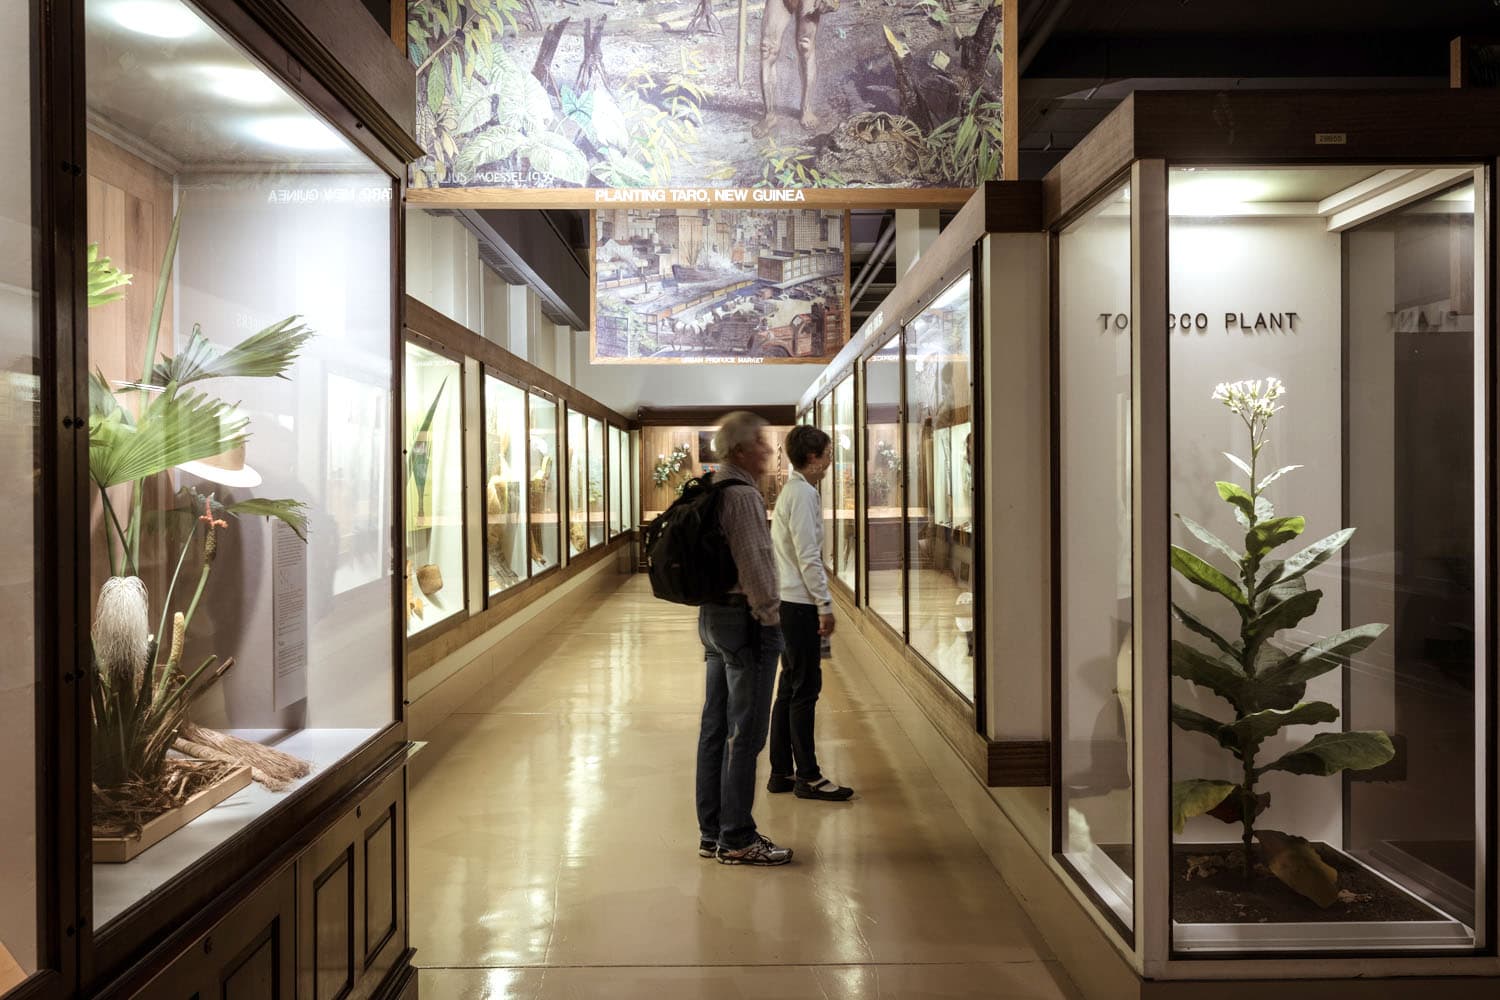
x: 736, y: 431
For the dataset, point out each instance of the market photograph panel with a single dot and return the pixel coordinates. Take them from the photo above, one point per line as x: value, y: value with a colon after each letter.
x: 530, y: 94
x: 719, y: 285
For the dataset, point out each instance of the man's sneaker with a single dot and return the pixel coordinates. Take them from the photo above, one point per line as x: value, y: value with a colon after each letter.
x: 707, y: 848
x: 762, y: 853
x: 824, y: 789
x: 780, y: 783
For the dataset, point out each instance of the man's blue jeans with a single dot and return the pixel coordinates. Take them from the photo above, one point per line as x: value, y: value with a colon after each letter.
x: 741, y: 656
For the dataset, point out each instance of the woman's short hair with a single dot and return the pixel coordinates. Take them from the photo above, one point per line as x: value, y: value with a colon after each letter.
x: 804, y: 443
x: 738, y: 430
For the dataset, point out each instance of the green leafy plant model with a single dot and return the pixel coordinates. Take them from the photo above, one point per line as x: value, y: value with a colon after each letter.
x: 139, y: 430
x: 421, y: 451
x: 670, y: 469
x: 1261, y: 681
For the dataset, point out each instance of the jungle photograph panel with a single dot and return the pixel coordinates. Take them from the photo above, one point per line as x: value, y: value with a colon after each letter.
x: 718, y: 285
x: 546, y: 94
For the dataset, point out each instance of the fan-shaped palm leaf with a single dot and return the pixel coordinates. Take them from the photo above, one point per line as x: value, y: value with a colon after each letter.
x: 177, y: 426
x: 267, y: 354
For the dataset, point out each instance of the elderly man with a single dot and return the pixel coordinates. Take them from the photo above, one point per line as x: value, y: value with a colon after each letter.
x: 742, y: 642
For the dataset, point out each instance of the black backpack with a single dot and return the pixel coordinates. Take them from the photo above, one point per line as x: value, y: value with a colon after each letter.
x: 687, y: 555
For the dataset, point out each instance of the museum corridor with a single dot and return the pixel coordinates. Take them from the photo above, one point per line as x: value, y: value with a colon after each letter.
x: 553, y: 844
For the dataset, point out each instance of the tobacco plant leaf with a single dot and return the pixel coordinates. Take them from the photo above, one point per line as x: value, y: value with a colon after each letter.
x: 1317, y: 658
x: 1197, y: 722
x: 1296, y: 862
x: 1196, y: 796
x: 1237, y: 495
x: 1275, y: 476
x: 1224, y: 678
x: 1205, y: 575
x: 1330, y: 753
x: 1283, y: 614
x: 1239, y: 463
x: 1314, y: 555
x: 1268, y: 535
x: 1209, y: 538
x: 1250, y: 731
x: 1232, y: 809
x: 1193, y: 624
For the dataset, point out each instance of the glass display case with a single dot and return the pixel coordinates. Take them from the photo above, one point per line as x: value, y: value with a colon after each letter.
x: 435, y: 551
x: 545, y: 470
x: 829, y: 486
x: 938, y: 387
x: 506, y: 485
x: 578, y: 486
x: 845, y: 485
x: 240, y: 321
x: 20, y: 475
x: 596, y: 482
x: 617, y: 479
x: 1274, y: 438
x: 884, y: 486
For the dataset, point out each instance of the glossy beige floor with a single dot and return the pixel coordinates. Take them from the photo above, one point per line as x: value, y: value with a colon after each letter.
x: 554, y: 846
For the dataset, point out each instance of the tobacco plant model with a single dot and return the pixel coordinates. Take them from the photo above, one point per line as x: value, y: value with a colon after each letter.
x: 1263, y: 681
x: 138, y: 432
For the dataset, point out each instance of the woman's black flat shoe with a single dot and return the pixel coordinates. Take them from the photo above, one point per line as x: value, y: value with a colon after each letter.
x: 827, y: 791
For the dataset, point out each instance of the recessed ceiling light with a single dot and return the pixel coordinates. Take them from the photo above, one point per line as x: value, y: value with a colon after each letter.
x: 1210, y: 195
x: 295, y: 132
x: 157, y: 18
x: 243, y: 85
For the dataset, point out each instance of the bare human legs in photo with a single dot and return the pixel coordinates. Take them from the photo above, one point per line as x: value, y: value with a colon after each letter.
x: 780, y: 15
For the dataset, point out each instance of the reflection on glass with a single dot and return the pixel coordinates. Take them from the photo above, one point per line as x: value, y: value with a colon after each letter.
x: 504, y: 489
x: 1094, y: 525
x: 1373, y: 385
x: 542, y: 495
x: 829, y: 485
x: 240, y: 433
x: 19, y: 418
x: 434, y: 488
x: 616, y: 480
x: 596, y: 481
x: 940, y: 550
x: 845, y: 536
x: 578, y: 490
x: 884, y: 485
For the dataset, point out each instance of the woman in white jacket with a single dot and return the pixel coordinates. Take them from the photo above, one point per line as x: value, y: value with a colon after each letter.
x: 806, y: 617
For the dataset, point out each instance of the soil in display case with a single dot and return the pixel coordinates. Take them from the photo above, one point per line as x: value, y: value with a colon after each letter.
x: 219, y: 538
x: 434, y: 488
x: 505, y: 488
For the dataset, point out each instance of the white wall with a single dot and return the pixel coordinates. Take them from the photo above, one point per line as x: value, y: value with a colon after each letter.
x: 443, y: 268
x: 1254, y: 266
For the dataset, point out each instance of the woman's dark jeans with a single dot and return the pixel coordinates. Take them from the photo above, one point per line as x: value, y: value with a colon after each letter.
x: 740, y: 655
x: 797, y: 694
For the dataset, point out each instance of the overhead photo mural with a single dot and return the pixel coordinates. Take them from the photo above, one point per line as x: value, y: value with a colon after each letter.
x: 547, y: 94
x: 719, y: 285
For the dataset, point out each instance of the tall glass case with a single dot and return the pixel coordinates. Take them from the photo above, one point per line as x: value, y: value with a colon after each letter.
x: 884, y: 486
x: 20, y: 471
x: 1093, y: 572
x: 596, y: 481
x: 578, y: 486
x: 240, y: 320
x: 505, y: 485
x: 939, y: 483
x: 829, y: 486
x: 1274, y: 439
x: 845, y: 483
x: 435, y: 551
x: 617, y: 480
x: 545, y: 470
